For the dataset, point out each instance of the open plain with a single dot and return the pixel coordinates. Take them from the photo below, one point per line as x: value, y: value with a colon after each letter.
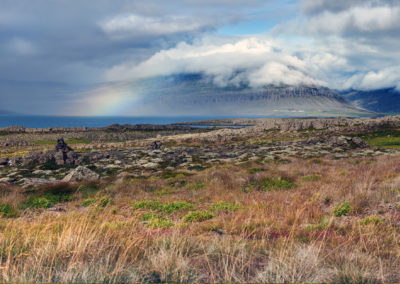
x: 252, y: 200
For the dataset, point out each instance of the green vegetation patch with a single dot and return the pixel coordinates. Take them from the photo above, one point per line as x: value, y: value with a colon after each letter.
x: 7, y: 211
x: 102, y: 202
x: 312, y: 178
x: 273, y: 183
x: 147, y: 204
x: 48, y: 195
x: 159, y: 223
x: 68, y: 141
x: 324, y: 224
x: 46, y: 201
x: 224, y: 207
x: 155, y: 220
x: 371, y: 220
x: 385, y: 138
x: 176, y: 206
x: 342, y: 209
x: 198, y: 216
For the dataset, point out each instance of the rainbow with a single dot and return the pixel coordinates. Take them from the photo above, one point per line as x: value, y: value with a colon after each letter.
x: 107, y: 101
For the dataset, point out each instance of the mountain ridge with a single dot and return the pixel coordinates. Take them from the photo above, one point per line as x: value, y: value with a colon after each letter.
x: 197, y: 95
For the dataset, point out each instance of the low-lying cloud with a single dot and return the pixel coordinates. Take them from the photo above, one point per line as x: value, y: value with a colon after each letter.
x: 260, y: 61
x: 252, y: 61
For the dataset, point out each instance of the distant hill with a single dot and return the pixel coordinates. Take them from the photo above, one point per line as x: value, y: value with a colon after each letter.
x: 195, y: 95
x: 383, y: 101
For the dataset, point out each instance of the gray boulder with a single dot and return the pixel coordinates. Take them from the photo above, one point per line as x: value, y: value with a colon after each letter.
x: 81, y: 174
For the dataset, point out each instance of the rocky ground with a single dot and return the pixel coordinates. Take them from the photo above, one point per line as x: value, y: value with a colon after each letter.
x: 265, y: 201
x: 177, y: 148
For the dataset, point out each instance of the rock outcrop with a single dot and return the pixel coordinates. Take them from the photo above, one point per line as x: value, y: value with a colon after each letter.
x: 81, y: 174
x: 62, y: 155
x: 156, y: 145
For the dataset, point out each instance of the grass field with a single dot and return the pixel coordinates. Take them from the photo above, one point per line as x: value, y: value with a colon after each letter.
x: 303, y: 221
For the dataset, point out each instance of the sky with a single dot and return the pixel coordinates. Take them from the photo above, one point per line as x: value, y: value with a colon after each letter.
x: 76, y: 57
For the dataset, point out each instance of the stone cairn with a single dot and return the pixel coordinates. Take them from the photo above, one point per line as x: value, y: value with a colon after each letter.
x: 62, y: 155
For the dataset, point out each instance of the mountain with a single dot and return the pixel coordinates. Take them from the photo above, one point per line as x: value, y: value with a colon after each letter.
x: 383, y: 101
x: 197, y: 95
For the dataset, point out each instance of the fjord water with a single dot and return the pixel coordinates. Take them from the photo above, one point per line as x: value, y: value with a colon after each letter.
x: 95, y: 121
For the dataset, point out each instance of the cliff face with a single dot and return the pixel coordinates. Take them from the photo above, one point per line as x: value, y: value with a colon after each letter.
x: 194, y: 95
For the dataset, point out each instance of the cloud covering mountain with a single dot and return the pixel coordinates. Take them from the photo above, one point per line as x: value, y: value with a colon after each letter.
x: 53, y: 53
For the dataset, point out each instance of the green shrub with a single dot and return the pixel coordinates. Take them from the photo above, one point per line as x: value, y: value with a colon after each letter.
x: 147, y: 204
x: 224, y: 207
x: 150, y: 215
x: 371, y: 220
x: 159, y: 223
x: 88, y: 202
x: 267, y: 184
x: 342, y: 209
x: 198, y: 216
x: 103, y: 202
x: 156, y: 220
x: 316, y: 227
x: 7, y: 211
x: 176, y: 206
x: 312, y: 178
x: 316, y: 161
x: 40, y: 202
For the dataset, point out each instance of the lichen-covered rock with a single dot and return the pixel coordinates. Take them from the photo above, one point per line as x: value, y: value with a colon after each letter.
x: 81, y: 174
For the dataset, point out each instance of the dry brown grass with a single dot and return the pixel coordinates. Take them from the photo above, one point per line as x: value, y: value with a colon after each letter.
x: 273, y: 236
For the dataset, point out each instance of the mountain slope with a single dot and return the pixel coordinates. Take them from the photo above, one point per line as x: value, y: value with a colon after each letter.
x: 382, y: 101
x: 195, y: 95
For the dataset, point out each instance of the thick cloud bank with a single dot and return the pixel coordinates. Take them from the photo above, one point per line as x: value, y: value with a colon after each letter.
x: 259, y: 61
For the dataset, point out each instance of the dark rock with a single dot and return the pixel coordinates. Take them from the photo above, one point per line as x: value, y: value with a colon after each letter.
x: 155, y: 145
x: 33, y: 157
x: 4, y: 161
x: 357, y: 142
x: 62, y: 146
x: 64, y: 155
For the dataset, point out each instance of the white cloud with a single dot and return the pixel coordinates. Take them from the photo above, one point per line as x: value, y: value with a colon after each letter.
x: 250, y: 60
x: 259, y: 61
x: 356, y: 19
x: 385, y: 78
